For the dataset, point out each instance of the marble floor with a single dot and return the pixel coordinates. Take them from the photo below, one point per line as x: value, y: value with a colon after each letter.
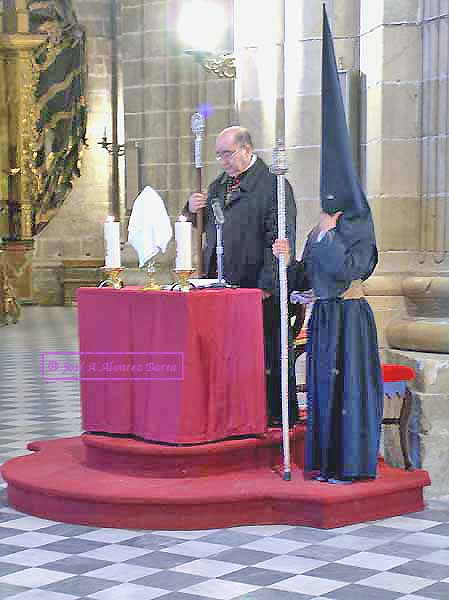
x: 401, y: 558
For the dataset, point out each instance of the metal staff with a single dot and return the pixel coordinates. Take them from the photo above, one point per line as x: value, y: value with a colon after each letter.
x: 198, y: 124
x: 279, y: 168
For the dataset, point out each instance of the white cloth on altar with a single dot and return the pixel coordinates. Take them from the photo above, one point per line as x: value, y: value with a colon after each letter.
x: 149, y: 227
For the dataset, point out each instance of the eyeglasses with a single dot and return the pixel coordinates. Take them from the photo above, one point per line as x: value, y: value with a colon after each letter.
x: 226, y: 154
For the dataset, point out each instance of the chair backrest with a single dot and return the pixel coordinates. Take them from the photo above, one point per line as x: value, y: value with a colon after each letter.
x: 397, y: 373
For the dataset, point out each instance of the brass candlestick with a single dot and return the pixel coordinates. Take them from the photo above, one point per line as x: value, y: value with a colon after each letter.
x: 182, y: 279
x: 151, y: 285
x: 113, y: 278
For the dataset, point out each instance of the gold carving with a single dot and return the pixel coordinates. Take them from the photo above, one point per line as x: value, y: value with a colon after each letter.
x: 18, y: 125
x: 9, y: 308
x: 221, y: 65
x: 42, y: 111
x: 29, y: 141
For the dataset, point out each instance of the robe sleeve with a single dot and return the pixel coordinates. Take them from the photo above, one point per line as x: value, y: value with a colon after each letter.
x: 297, y: 277
x: 332, y: 256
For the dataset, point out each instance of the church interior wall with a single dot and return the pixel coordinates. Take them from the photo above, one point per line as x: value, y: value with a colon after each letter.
x: 400, y: 49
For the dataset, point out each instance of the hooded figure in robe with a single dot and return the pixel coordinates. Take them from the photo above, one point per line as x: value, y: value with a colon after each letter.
x: 344, y: 378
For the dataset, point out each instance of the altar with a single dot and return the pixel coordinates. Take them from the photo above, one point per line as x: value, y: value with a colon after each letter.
x: 172, y: 367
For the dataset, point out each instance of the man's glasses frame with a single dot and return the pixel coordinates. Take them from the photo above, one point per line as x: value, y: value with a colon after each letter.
x: 227, y: 154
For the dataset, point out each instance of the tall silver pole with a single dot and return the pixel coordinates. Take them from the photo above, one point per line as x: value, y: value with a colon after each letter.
x: 279, y: 168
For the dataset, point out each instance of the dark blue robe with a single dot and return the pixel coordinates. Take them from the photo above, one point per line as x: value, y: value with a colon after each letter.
x: 344, y: 379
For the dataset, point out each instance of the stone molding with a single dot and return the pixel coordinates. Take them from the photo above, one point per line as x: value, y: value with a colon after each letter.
x: 426, y: 326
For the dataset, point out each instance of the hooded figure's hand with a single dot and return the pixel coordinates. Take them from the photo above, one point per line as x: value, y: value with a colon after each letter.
x: 327, y: 222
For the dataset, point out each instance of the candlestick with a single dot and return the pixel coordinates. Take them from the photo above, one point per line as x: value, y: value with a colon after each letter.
x: 151, y: 284
x: 113, y: 278
x: 183, y: 237
x: 112, y: 243
x: 182, y: 280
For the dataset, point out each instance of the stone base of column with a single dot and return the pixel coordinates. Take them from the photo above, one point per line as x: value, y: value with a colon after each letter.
x: 426, y: 326
x: 429, y: 423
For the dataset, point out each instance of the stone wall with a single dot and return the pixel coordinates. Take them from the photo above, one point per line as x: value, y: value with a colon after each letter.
x: 162, y: 88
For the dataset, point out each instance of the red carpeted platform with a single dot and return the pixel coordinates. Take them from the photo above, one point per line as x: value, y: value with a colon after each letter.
x: 118, y: 482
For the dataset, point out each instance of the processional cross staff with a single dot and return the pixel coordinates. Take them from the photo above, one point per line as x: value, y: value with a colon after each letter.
x: 279, y: 168
x: 198, y: 124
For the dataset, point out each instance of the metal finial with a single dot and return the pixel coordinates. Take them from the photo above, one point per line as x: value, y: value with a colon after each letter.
x: 198, y: 124
x: 279, y: 166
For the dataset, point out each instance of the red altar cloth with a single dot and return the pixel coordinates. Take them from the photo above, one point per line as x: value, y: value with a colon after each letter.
x: 171, y: 366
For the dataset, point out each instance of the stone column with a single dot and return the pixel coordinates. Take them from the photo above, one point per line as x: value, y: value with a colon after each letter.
x: 425, y: 325
x: 389, y: 57
x: 405, y: 58
x: 256, y: 51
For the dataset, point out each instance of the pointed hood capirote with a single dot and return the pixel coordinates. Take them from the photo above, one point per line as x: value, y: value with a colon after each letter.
x: 340, y: 188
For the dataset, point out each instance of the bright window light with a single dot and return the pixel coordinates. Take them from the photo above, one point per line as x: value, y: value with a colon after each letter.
x: 202, y: 25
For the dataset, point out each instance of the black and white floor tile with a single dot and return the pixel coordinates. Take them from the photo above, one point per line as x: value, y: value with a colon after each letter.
x: 402, y: 558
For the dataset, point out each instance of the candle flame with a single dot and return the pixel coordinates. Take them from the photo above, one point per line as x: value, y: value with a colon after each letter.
x: 182, y: 218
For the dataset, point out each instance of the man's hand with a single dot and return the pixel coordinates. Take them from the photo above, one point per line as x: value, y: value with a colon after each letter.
x: 327, y: 222
x: 196, y: 201
x: 282, y: 247
x: 266, y: 295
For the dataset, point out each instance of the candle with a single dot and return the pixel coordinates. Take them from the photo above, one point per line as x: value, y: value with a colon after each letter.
x: 183, y: 238
x: 112, y: 243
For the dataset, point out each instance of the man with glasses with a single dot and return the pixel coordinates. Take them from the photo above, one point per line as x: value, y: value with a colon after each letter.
x: 246, y: 191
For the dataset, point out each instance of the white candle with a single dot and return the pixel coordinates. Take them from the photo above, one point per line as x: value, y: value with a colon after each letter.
x: 111, y: 243
x: 183, y: 237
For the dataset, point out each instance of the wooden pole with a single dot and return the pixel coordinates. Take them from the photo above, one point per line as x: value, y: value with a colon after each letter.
x: 199, y: 228
x: 198, y: 124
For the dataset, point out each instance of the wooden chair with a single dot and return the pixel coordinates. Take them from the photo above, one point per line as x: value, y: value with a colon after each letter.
x: 395, y: 379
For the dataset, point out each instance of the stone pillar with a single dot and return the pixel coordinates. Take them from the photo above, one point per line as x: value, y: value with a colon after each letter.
x: 425, y: 325
x: 255, y: 48
x: 389, y: 57
x: 406, y: 174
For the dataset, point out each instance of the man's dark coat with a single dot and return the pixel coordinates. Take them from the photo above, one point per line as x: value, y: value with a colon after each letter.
x: 250, y: 228
x: 249, y: 231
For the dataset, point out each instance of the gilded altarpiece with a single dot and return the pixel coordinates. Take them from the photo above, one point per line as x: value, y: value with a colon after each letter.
x: 42, y: 123
x: 18, y: 77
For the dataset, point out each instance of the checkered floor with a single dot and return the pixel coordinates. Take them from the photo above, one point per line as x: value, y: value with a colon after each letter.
x: 403, y: 558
